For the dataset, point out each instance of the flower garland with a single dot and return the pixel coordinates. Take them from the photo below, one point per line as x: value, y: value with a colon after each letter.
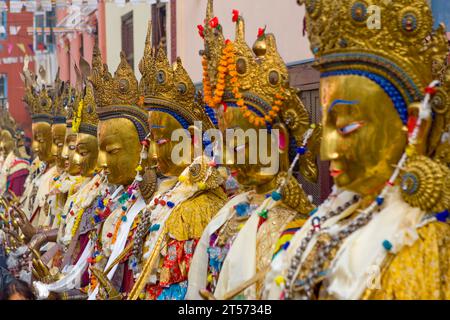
x: 127, y: 199
x: 213, y: 97
x: 77, y: 117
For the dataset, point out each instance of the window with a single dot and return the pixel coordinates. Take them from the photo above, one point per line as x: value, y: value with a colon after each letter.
x: 3, y: 89
x: 44, y: 37
x: 3, y: 25
x: 159, y: 18
x: 127, y: 38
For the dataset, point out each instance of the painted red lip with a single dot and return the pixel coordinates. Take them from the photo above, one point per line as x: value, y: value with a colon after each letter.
x: 335, y: 173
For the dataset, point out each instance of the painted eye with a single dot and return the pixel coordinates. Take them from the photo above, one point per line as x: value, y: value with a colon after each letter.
x: 350, y: 128
x: 160, y: 142
x: 72, y: 147
x: 114, y: 151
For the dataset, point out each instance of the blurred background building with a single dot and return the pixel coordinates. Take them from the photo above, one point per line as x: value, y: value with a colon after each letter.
x: 15, y: 43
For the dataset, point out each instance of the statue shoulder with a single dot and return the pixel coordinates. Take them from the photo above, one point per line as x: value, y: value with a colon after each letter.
x: 189, y: 218
x: 419, y: 271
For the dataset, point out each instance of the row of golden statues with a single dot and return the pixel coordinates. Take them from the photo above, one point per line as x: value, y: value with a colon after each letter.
x: 106, y: 212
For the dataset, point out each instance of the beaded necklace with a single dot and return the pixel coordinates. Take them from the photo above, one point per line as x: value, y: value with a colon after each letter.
x: 81, y: 211
x: 363, y: 218
x: 103, y: 208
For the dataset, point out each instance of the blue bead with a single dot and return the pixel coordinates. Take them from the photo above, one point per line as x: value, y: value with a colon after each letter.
x: 286, y: 245
x: 276, y: 196
x: 124, y: 218
x: 442, y: 216
x: 154, y: 227
x: 170, y: 204
x: 301, y: 150
x: 242, y: 208
x: 387, y: 245
x: 380, y: 200
x: 124, y: 208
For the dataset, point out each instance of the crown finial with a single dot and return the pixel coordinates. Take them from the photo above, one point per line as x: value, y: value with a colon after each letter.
x: 147, y: 60
x: 167, y: 87
x: 86, y: 119
x: 209, y: 11
x: 339, y: 34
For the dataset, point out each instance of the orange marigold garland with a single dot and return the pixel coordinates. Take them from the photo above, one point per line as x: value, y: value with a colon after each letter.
x: 227, y: 68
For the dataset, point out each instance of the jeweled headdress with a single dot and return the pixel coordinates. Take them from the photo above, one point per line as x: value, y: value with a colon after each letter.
x: 401, y: 52
x: 168, y: 88
x: 255, y: 80
x: 117, y: 97
x: 41, y: 106
x: 86, y: 119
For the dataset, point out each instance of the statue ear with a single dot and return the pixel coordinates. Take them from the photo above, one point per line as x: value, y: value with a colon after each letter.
x: 283, y: 145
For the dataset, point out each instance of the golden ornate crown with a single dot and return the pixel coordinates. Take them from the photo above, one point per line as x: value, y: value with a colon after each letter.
x: 117, y: 97
x: 402, y: 54
x: 86, y: 119
x: 8, y: 122
x: 168, y: 88
x: 41, y: 105
x: 254, y: 80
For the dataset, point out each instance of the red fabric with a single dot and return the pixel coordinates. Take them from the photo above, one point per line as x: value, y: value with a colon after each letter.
x: 153, y: 292
x: 17, y: 182
x: 128, y: 280
x: 177, y: 261
x: 82, y: 242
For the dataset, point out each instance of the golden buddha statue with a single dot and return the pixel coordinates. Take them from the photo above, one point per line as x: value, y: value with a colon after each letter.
x: 15, y: 169
x: 78, y: 223
x: 382, y: 233
x: 61, y: 92
x: 238, y: 244
x: 85, y: 157
x: 188, y: 193
x: 122, y: 134
x: 38, y: 186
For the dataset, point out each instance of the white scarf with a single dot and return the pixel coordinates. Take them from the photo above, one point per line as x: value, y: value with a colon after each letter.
x: 44, y: 188
x: 121, y: 239
x: 72, y: 277
x: 197, y: 277
x: 82, y: 199
x: 4, y: 171
x: 240, y: 263
x: 361, y: 253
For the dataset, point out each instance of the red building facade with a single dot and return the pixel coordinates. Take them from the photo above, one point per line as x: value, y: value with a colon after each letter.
x: 15, y: 44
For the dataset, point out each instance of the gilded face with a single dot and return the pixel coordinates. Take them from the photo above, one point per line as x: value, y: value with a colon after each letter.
x: 6, y: 143
x: 250, y: 173
x: 68, y: 153
x: 86, y: 154
x: 42, y: 141
x: 363, y: 135
x: 119, y: 150
x: 58, y: 137
x: 161, y: 127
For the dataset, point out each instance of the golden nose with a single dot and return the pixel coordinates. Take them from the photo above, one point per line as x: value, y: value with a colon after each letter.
x: 101, y: 161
